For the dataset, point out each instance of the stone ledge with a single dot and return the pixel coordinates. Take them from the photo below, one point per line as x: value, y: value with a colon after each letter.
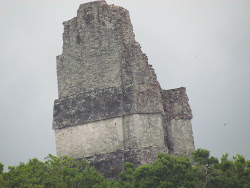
x: 101, y: 104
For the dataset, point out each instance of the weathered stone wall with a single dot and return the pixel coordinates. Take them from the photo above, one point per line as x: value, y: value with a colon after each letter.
x: 99, y: 51
x: 90, y: 139
x: 111, y: 108
x: 104, y: 104
x: 143, y: 130
x: 121, y: 133
x: 91, y: 49
x: 107, y: 144
x: 102, y: 72
x: 178, y: 115
x: 180, y: 137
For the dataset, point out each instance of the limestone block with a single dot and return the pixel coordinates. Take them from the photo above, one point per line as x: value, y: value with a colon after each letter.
x: 181, y: 137
x: 90, y: 139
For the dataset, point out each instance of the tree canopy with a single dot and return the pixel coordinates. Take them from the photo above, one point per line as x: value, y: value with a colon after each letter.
x: 202, y: 171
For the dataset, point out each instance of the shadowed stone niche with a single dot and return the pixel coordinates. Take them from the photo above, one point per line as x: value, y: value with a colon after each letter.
x: 111, y: 108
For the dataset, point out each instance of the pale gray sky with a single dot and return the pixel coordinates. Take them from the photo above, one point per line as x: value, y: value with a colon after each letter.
x: 201, y: 45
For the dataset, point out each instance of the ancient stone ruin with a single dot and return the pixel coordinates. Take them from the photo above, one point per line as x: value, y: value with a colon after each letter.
x: 111, y: 108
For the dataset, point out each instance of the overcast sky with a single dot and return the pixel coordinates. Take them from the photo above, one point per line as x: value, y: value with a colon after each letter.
x: 203, y: 45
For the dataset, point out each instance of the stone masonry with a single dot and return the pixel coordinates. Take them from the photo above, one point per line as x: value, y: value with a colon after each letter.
x: 111, y: 108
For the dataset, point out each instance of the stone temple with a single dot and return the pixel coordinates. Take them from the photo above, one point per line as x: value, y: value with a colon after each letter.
x: 111, y: 108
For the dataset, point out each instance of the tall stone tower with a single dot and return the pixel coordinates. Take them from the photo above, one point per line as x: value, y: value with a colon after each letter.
x: 111, y: 108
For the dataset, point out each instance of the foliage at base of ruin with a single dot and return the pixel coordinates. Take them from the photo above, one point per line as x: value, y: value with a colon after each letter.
x: 203, y: 171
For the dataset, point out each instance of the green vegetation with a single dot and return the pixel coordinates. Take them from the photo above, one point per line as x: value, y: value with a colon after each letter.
x: 166, y: 172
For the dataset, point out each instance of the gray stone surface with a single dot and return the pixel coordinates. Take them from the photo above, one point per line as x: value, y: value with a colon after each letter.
x: 178, y: 115
x: 90, y: 139
x: 104, y: 104
x: 175, y: 103
x: 111, y: 108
